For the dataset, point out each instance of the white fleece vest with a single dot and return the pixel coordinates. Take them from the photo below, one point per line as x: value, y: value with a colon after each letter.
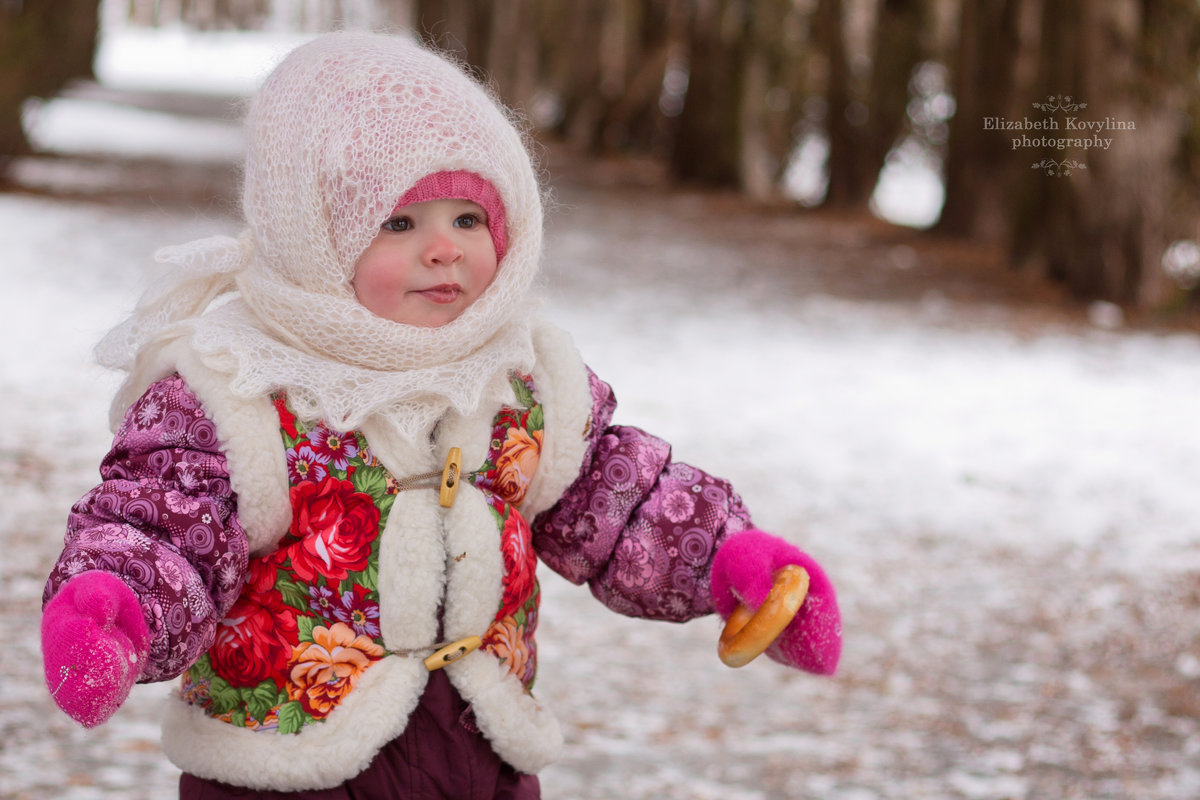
x: 416, y: 566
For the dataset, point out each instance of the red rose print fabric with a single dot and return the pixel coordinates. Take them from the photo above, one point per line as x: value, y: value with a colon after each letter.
x: 306, y: 626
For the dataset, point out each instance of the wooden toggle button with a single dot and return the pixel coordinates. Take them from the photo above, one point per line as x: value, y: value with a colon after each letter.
x: 451, y: 474
x: 452, y: 652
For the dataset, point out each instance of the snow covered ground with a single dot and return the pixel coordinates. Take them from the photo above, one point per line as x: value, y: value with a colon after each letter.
x: 1009, y: 510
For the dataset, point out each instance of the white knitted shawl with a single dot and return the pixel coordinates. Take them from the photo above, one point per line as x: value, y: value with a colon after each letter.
x: 339, y: 131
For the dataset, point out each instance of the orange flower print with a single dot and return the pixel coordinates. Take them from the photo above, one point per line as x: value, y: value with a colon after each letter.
x: 327, y: 668
x: 516, y: 463
x: 506, y: 640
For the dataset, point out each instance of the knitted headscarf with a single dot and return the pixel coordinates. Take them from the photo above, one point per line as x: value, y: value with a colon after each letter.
x: 346, y: 127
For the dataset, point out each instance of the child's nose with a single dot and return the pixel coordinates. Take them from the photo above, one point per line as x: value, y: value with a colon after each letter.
x: 442, y: 249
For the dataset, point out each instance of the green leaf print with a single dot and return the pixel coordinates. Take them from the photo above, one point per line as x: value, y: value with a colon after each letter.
x: 385, y: 507
x: 524, y: 396
x: 202, y: 670
x: 537, y: 419
x: 261, y: 699
x: 225, y: 698
x: 368, y: 578
x: 305, y: 625
x: 370, y: 481
x: 291, y: 592
x: 291, y: 717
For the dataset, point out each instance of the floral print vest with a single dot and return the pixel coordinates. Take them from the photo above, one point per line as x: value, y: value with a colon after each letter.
x: 306, y: 625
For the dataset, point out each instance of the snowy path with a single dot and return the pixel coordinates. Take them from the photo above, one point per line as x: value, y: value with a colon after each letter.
x: 1009, y: 513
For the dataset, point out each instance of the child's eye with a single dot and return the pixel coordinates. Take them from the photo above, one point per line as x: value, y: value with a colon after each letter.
x: 398, y: 224
x: 468, y: 221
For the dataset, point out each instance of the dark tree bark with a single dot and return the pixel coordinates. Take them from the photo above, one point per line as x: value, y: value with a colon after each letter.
x: 43, y: 45
x: 1102, y: 231
x: 843, y: 118
x: 707, y: 147
x: 978, y: 166
x: 632, y: 119
x: 512, y: 51
x: 573, y: 62
x: 899, y: 46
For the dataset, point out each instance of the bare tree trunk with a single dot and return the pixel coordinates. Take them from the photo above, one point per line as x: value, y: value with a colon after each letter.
x: 898, y: 48
x: 770, y: 106
x: 843, y: 117
x: 574, y: 70
x: 43, y: 45
x: 708, y: 143
x: 633, y: 119
x: 1103, y: 230
x: 978, y: 163
x: 512, y: 52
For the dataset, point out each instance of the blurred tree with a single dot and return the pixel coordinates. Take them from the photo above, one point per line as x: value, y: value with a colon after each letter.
x: 844, y: 114
x: 512, y: 51
x: 978, y: 159
x: 867, y: 114
x: 459, y: 27
x: 43, y: 45
x: 574, y: 70
x: 772, y: 90
x: 901, y: 42
x: 708, y: 140
x: 651, y: 34
x: 1103, y: 231
x: 605, y: 67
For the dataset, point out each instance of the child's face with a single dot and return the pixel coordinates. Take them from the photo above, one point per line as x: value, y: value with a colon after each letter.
x: 427, y: 264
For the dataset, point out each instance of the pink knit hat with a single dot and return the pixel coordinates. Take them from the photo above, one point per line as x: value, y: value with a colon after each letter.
x: 462, y: 185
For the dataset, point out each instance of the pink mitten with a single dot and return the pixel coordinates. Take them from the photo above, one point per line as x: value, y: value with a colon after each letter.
x: 94, y: 643
x: 743, y: 572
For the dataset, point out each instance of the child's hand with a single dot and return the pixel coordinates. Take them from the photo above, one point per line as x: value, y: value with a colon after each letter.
x: 743, y: 572
x: 94, y: 643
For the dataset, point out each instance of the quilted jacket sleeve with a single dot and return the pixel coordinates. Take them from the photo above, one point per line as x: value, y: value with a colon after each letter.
x: 640, y: 529
x: 164, y: 520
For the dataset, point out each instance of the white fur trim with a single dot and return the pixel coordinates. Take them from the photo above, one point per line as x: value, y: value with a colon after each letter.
x: 474, y: 563
x: 475, y: 566
x: 561, y: 382
x: 412, y: 560
x: 321, y: 755
x: 523, y: 732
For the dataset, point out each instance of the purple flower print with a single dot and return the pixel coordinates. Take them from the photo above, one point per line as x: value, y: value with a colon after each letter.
x: 188, y: 476
x: 359, y: 612
x: 678, y: 505
x: 333, y: 447
x: 179, y: 503
x: 75, y: 563
x: 149, y: 412
x: 633, y: 567
x: 306, y: 465
x: 323, y: 601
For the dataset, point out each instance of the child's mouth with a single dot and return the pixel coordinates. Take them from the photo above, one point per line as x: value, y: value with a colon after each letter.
x: 445, y: 293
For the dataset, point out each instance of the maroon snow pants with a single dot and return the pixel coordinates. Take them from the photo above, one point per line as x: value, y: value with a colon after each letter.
x: 440, y: 756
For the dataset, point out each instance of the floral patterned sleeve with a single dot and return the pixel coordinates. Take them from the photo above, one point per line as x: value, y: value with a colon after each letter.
x: 164, y: 520
x: 640, y: 529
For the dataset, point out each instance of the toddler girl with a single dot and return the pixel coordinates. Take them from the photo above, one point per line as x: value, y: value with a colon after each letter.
x: 328, y: 491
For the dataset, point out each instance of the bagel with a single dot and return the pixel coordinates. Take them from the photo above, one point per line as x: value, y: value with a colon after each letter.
x: 748, y: 633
